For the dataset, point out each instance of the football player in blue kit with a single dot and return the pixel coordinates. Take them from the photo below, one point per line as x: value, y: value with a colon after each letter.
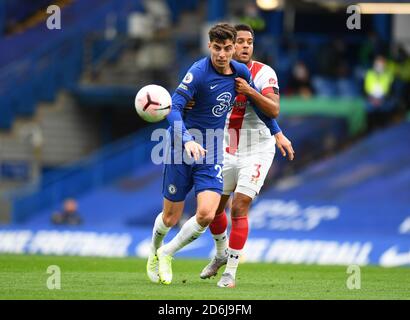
x: 211, y: 83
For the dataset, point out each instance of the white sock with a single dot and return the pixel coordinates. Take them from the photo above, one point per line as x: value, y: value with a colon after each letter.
x: 221, y: 244
x: 233, y: 261
x: 188, y: 233
x: 159, y: 231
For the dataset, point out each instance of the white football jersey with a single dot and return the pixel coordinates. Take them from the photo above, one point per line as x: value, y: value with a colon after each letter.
x: 245, y: 132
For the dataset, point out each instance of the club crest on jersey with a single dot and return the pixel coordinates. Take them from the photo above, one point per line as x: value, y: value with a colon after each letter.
x: 188, y: 78
x: 224, y: 105
x: 172, y: 189
x: 272, y: 81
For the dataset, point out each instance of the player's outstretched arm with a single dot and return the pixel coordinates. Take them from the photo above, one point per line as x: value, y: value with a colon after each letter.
x: 268, y: 104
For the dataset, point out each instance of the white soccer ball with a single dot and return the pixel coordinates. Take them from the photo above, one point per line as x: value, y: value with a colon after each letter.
x: 153, y: 103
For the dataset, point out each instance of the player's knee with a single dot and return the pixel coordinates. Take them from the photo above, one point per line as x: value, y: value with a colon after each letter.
x: 205, y: 217
x: 170, y: 219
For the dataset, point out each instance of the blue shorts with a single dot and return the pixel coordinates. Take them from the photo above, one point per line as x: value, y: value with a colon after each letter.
x: 178, y: 179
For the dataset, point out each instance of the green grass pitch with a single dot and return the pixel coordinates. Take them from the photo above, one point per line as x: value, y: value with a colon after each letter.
x: 25, y: 277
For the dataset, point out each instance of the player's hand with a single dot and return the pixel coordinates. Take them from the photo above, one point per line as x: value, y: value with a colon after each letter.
x: 194, y: 150
x: 242, y: 86
x: 285, y: 146
x: 190, y: 105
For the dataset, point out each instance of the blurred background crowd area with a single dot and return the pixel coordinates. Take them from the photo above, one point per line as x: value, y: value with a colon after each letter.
x: 68, y: 125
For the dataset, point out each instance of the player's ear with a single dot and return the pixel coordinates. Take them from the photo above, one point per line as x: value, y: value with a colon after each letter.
x: 209, y: 44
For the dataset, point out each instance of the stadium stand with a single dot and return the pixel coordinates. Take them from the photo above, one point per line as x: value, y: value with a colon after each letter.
x: 27, y: 54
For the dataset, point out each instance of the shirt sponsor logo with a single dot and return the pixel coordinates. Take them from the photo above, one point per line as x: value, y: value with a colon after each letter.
x: 224, y: 104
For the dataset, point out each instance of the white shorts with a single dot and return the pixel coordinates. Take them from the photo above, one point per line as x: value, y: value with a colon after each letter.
x: 246, y: 173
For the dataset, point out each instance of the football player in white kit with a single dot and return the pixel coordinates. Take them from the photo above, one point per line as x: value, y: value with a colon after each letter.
x: 249, y: 146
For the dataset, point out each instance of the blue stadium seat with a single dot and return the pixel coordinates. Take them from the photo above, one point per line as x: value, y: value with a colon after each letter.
x: 324, y: 87
x: 32, y: 69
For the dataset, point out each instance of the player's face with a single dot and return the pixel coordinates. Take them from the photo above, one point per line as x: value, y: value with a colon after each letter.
x: 221, y: 53
x: 243, y: 46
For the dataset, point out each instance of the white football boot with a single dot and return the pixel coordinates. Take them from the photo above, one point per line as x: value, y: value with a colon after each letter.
x: 212, y: 268
x: 227, y: 281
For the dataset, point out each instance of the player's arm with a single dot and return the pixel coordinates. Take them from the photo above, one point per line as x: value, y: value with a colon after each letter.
x: 270, y: 93
x: 282, y: 142
x: 192, y: 148
x: 180, y: 98
x: 268, y: 103
x: 175, y: 118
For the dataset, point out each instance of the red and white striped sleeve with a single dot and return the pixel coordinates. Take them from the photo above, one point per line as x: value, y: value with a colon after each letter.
x: 266, y: 80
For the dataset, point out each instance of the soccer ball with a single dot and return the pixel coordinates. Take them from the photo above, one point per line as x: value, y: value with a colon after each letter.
x: 153, y: 103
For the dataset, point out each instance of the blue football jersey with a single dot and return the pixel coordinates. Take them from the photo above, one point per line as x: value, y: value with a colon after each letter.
x: 214, y: 94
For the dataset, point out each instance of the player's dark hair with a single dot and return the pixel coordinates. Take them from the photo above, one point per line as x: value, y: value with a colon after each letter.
x: 222, y: 32
x: 245, y: 27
